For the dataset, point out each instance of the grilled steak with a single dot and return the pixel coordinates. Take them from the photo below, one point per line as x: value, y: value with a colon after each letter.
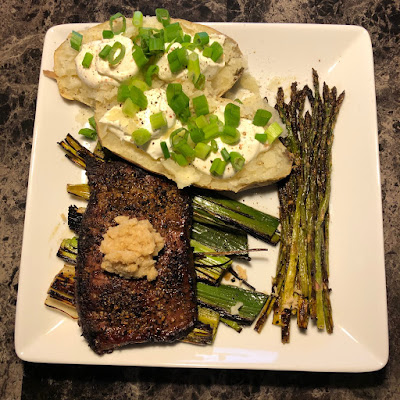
x: 114, y: 311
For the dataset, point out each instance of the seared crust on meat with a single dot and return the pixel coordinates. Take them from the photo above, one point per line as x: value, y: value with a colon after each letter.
x: 114, y: 311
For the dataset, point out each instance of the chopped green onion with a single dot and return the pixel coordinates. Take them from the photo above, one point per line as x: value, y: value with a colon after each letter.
x: 105, y: 52
x: 261, y: 137
x: 156, y: 44
x: 179, y: 159
x: 238, y: 101
x: 213, y: 118
x: 211, y: 131
x: 197, y: 135
x: 129, y: 108
x: 164, y: 148
x: 214, y: 146
x: 225, y: 155
x: 152, y: 70
x: 139, y: 57
x: 261, y: 117
x: 232, y: 115
x: 200, y: 105
x: 87, y: 60
x: 200, y: 82
x: 139, y: 84
x: 218, y: 167
x: 187, y: 39
x: 207, y: 52
x: 123, y: 92
x: 112, y: 58
x: 137, y: 19
x: 237, y: 160
x: 89, y: 133
x: 92, y: 122
x: 158, y: 120
x: 202, y: 150
x: 76, y: 40
x: 108, y: 34
x: 163, y: 16
x: 273, y: 131
x: 217, y: 51
x: 138, y: 97
x: 201, y: 39
x: 184, y: 148
x: 123, y: 27
x: 230, y: 135
x: 173, y: 89
x: 178, y: 135
x: 201, y: 121
x: 193, y: 66
x: 173, y: 32
x: 177, y: 60
x: 141, y: 136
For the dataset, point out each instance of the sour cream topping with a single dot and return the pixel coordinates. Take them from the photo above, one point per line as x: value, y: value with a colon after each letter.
x: 208, y: 67
x: 100, y: 71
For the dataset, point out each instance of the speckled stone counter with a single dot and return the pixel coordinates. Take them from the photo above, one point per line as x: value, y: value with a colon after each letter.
x: 23, y: 26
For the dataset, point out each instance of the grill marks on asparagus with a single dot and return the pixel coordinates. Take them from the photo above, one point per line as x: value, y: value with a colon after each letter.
x: 301, y: 285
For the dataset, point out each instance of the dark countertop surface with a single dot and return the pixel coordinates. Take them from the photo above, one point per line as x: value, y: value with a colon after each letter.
x: 23, y: 26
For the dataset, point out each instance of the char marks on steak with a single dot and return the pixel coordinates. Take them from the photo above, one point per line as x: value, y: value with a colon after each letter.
x: 114, y: 311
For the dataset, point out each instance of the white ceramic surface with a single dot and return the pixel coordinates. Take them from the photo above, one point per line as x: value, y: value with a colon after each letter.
x: 278, y: 54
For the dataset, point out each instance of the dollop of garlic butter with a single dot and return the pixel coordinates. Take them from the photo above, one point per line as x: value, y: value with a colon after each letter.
x: 207, y: 66
x: 130, y: 247
x: 123, y: 126
x: 249, y: 147
x: 100, y: 71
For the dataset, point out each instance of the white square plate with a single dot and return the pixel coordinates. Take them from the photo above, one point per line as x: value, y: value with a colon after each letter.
x: 278, y: 54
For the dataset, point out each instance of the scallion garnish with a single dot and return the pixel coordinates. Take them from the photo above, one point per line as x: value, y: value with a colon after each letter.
x: 108, y: 34
x: 179, y: 159
x: 202, y: 150
x: 156, y: 44
x: 138, y: 97
x: 200, y: 105
x: 237, y: 160
x: 217, y: 51
x: 186, y: 38
x: 123, y: 27
x: 232, y: 115
x: 105, y: 51
x: 218, y: 167
x: 89, y: 133
x: 139, y: 57
x: 164, y: 148
x: 123, y: 92
x: 114, y: 58
x: 92, y: 122
x: 178, y: 135
x: 87, y: 60
x: 201, y: 121
x: 163, y: 16
x: 185, y: 149
x: 193, y: 66
x: 214, y: 145
x: 273, y: 131
x: 177, y: 60
x: 200, y: 82
x: 207, y: 52
x: 197, y: 135
x: 137, y: 19
x: 178, y: 101
x: 158, y: 121
x: 173, y: 32
x: 261, y: 137
x: 129, y: 108
x: 230, y: 135
x: 211, y: 131
x: 261, y: 117
x: 139, y: 84
x: 225, y: 154
x: 141, y: 136
x: 201, y: 39
x: 152, y: 70
x: 76, y: 40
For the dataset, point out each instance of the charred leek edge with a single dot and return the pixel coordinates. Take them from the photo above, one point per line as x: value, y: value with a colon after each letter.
x: 61, y: 297
x: 232, y: 324
x: 224, y: 298
x: 75, y: 216
x: 209, y: 268
x: 252, y: 221
x: 81, y: 190
x: 61, y: 294
x: 206, y: 328
x: 68, y: 250
x: 219, y: 240
x: 301, y: 285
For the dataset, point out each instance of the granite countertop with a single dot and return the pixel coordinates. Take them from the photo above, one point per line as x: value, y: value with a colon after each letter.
x: 23, y: 26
